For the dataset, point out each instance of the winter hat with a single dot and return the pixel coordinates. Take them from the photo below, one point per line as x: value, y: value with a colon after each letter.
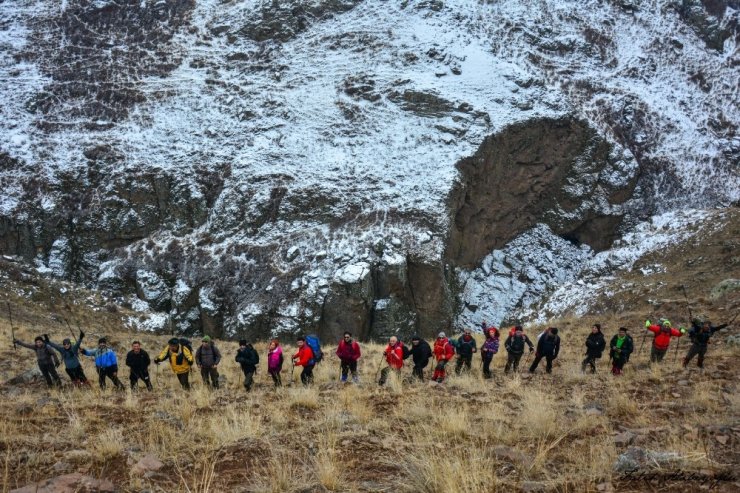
x: 554, y: 331
x: 441, y: 334
x: 174, y: 342
x: 102, y: 340
x: 66, y: 341
x: 666, y: 323
x: 206, y: 339
x: 415, y: 338
x: 242, y: 342
x: 518, y: 328
x: 39, y: 338
x: 623, y: 329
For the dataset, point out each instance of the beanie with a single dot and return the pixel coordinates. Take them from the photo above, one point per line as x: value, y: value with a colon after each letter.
x: 102, y: 340
x: 174, y: 341
x: 242, y: 342
x: 66, y: 341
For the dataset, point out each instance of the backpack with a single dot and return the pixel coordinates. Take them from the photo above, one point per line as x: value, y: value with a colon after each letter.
x: 454, y: 343
x: 315, y: 345
x: 406, y: 351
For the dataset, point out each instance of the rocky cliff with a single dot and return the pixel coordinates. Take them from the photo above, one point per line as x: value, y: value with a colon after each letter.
x: 245, y: 168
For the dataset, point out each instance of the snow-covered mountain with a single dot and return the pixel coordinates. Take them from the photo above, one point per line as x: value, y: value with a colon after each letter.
x: 248, y: 167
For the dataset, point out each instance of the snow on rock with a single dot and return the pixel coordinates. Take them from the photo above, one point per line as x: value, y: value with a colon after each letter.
x: 151, y: 288
x: 353, y: 273
x: 59, y: 257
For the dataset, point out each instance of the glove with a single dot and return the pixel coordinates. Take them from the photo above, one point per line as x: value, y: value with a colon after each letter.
x: 682, y: 330
x: 647, y: 323
x: 46, y: 337
x: 82, y: 334
x: 156, y: 362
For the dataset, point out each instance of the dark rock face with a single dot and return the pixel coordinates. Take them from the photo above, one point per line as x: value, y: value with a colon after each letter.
x: 709, y: 20
x: 97, y: 54
x: 551, y: 171
x: 282, y: 21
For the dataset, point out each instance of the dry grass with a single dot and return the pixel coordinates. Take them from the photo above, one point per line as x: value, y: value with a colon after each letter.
x: 468, y: 434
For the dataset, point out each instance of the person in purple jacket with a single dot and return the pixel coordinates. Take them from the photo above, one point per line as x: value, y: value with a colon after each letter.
x: 275, y: 362
x: 489, y: 348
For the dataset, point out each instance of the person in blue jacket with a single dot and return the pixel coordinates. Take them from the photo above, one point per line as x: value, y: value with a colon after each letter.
x: 69, y: 353
x: 106, y: 363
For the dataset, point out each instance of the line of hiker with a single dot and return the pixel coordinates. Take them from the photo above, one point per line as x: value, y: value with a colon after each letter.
x: 181, y: 357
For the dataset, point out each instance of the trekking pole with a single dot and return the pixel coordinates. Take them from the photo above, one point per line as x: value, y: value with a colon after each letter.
x: 70, y: 329
x: 12, y: 330
x: 644, y: 336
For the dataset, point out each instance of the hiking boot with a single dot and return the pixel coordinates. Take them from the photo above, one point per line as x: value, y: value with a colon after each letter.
x: 344, y: 378
x: 355, y: 379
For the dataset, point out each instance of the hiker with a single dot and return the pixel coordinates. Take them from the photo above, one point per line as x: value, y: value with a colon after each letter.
x: 275, y: 362
x: 700, y: 335
x: 513, y: 330
x: 595, y: 344
x: 663, y: 333
x: 248, y: 358
x: 304, y: 357
x: 180, y: 358
x: 348, y: 352
x: 514, y: 346
x: 71, y: 358
x: 548, y: 347
x: 106, y: 363
x: 207, y: 357
x: 420, y: 353
x: 46, y: 358
x: 489, y: 349
x: 393, y: 353
x: 620, y: 348
x: 138, y: 362
x: 443, y: 352
x: 466, y: 346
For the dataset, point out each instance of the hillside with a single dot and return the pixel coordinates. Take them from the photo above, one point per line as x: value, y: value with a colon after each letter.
x: 677, y: 430
x: 258, y: 167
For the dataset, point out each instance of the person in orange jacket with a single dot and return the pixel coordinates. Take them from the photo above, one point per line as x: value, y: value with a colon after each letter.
x: 393, y: 353
x: 444, y: 352
x: 304, y: 358
x: 662, y: 339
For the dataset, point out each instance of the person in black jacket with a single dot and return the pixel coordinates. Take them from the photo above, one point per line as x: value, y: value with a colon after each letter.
x: 138, y: 362
x: 515, y: 348
x: 466, y: 346
x: 248, y: 358
x: 620, y: 348
x: 700, y: 335
x: 548, y: 347
x: 420, y: 352
x: 595, y: 344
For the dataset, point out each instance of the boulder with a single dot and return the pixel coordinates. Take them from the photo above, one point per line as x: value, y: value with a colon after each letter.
x: 636, y: 459
x: 69, y: 483
x: 148, y: 463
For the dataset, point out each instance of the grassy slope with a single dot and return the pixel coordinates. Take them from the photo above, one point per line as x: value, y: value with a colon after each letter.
x: 412, y: 438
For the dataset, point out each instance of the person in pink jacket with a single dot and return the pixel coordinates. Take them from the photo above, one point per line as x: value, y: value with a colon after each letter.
x: 275, y: 361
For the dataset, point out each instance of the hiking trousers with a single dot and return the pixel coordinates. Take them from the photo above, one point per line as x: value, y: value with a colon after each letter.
x: 209, y: 376
x: 617, y: 365
x: 248, y: 379
x: 696, y: 350
x: 77, y: 375
x: 385, y: 372
x: 49, y: 371
x: 307, y: 375
x: 656, y: 355
x: 463, y: 360
x: 142, y: 375
x: 418, y: 371
x: 276, y: 379
x: 589, y: 361
x: 512, y: 361
x: 487, y: 366
x: 110, y: 372
x: 183, y: 378
x: 548, y: 358
x: 347, y: 367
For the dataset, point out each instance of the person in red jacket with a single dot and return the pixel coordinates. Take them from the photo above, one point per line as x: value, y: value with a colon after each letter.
x: 662, y: 339
x: 348, y: 352
x: 304, y: 358
x: 444, y: 352
x: 393, y: 353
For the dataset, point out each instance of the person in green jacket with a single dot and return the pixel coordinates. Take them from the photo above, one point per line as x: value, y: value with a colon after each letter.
x: 620, y: 348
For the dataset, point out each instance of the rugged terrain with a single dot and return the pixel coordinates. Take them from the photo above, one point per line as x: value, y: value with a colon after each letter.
x: 674, y: 429
x: 248, y: 168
